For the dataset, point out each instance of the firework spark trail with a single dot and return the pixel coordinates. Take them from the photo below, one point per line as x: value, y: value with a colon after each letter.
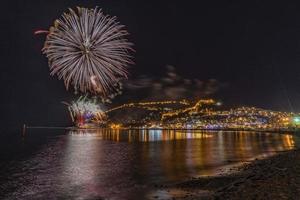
x: 88, y: 50
x: 84, y: 107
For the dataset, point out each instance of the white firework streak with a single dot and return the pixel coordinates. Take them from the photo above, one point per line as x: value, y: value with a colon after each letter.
x: 88, y: 50
x: 85, y: 106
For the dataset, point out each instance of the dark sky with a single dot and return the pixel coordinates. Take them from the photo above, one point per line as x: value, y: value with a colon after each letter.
x: 251, y: 46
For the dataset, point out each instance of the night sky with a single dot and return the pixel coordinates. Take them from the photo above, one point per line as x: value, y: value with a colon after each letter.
x: 250, y: 48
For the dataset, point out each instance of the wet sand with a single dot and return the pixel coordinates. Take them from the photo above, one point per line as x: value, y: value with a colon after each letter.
x: 277, y: 177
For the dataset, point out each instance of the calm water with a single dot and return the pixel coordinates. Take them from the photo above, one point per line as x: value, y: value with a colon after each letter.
x: 112, y: 164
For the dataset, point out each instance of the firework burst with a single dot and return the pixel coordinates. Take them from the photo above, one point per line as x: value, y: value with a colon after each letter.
x: 85, y: 110
x: 88, y: 50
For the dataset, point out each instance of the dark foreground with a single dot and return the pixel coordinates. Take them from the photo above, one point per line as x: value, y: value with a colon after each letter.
x: 277, y: 177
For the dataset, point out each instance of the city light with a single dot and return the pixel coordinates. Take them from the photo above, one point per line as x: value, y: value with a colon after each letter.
x: 183, y: 114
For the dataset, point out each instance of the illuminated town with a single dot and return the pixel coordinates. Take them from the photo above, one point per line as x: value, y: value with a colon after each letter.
x: 150, y: 100
x: 184, y: 114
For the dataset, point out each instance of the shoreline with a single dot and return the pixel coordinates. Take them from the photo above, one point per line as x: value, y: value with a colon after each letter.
x: 191, y: 129
x: 74, y: 128
x: 276, y: 177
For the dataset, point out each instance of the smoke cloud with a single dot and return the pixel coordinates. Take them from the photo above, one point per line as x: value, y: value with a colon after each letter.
x: 171, y: 86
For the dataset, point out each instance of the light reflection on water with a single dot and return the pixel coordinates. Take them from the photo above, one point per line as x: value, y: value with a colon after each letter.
x: 121, y: 164
x: 141, y: 135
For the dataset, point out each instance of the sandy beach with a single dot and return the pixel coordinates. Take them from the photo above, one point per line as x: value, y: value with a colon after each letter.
x: 277, y: 177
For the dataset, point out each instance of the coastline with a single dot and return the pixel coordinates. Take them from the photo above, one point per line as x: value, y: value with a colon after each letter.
x: 295, y: 131
x: 276, y: 177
